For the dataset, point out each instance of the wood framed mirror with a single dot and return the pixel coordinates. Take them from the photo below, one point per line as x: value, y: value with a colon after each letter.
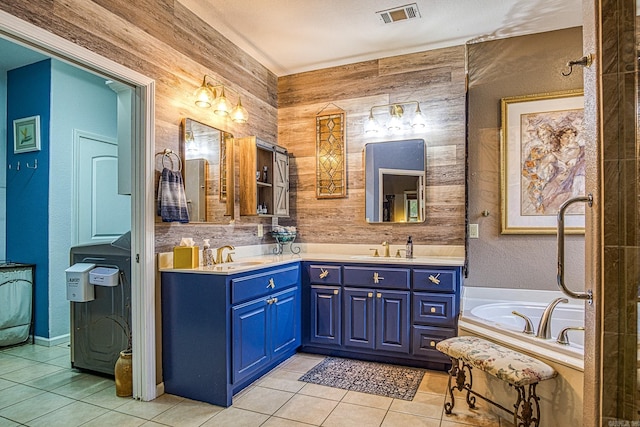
x: 208, y: 172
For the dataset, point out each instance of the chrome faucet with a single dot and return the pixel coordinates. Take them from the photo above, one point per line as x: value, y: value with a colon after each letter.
x: 544, y: 328
x: 385, y: 245
x: 219, y: 254
x: 528, y: 326
x: 563, y: 338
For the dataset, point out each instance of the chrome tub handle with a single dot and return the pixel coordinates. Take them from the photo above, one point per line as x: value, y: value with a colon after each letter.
x: 578, y: 295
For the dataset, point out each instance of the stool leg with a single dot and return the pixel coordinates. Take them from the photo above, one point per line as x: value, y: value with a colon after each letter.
x: 453, y: 372
x: 527, y: 407
x: 458, y: 371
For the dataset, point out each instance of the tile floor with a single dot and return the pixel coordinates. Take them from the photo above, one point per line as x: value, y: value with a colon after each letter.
x: 37, y: 388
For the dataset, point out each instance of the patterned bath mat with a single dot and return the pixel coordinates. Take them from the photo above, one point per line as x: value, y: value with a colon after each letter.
x: 399, y: 382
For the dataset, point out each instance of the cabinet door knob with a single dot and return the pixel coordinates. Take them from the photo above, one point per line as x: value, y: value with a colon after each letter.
x: 379, y: 295
x: 271, y: 284
x: 336, y: 292
x: 434, y: 279
x: 370, y: 294
x: 323, y: 273
x: 433, y: 309
x: 275, y: 300
x: 432, y: 343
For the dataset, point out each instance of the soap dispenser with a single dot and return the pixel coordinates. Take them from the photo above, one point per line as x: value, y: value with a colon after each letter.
x: 409, y: 250
x: 207, y: 254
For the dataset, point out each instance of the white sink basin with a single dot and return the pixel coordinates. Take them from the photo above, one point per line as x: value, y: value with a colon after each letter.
x: 236, y: 264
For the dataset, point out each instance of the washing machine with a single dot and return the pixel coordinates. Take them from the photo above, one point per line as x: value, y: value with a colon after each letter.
x: 101, y: 327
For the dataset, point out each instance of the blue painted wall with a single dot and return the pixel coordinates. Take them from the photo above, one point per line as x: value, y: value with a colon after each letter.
x: 28, y: 94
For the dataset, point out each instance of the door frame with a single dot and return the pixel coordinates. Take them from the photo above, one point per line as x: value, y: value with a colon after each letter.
x: 142, y: 212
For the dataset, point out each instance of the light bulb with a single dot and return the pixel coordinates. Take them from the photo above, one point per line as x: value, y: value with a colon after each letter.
x: 204, y: 95
x: 239, y: 114
x: 371, y: 126
x: 222, y: 106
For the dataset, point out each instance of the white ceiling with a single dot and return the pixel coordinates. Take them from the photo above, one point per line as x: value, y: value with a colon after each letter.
x: 293, y: 36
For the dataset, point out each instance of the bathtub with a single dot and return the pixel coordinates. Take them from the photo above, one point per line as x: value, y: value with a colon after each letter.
x: 486, y: 312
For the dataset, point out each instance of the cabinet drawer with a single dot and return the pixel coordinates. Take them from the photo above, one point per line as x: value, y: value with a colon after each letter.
x: 435, y: 280
x: 263, y: 283
x: 325, y: 274
x: 434, y: 309
x: 387, y: 278
x: 425, y: 339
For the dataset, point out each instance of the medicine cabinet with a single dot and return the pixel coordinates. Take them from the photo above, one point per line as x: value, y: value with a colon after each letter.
x: 264, y: 178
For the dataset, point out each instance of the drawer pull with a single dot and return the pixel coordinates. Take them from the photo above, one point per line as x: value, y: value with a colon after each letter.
x: 370, y: 294
x: 377, y: 278
x: 434, y: 279
x: 433, y: 309
x: 379, y: 295
x: 336, y: 292
x: 323, y: 273
x: 432, y: 343
x: 271, y: 284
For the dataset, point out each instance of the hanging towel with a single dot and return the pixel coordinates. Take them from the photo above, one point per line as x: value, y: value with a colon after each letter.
x: 172, y: 201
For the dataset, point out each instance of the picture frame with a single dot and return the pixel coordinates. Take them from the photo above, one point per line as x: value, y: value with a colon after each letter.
x: 26, y: 134
x: 542, y: 162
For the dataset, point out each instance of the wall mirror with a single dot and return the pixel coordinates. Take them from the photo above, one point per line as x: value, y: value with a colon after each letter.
x: 208, y: 172
x: 395, y: 181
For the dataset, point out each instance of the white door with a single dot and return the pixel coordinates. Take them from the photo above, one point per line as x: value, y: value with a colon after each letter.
x: 100, y: 213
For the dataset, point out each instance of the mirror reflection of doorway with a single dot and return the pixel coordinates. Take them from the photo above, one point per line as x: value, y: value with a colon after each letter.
x: 401, y: 194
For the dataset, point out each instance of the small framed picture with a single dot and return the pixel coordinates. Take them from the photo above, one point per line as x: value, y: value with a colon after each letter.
x: 26, y: 134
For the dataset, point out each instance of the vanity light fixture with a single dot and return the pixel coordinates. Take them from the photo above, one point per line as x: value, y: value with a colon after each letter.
x: 394, y: 122
x: 207, y: 96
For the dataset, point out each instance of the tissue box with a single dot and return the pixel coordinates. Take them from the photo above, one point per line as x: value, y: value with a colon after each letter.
x: 186, y: 257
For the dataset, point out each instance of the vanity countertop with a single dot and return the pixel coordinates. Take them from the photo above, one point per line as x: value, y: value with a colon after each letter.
x: 250, y: 263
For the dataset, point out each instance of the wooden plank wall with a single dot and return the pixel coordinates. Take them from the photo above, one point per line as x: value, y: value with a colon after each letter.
x: 436, y: 79
x: 166, y: 42
x: 163, y: 40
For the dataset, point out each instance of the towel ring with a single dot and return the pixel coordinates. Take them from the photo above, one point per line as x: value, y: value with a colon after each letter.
x: 167, y: 155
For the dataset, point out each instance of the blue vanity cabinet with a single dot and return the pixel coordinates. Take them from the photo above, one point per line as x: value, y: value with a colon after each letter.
x: 221, y: 332
x: 325, y: 315
x: 377, y: 317
x: 322, y: 322
x: 263, y: 329
x: 393, y: 313
x: 436, y: 304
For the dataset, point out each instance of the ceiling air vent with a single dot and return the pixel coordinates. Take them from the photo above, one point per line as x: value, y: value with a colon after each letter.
x: 401, y: 13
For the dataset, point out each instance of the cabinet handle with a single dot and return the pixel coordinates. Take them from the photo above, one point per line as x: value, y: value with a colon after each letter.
x: 379, y: 295
x: 370, y: 294
x: 433, y: 309
x: 271, y: 284
x: 336, y: 292
x: 323, y: 273
x: 434, y: 279
x: 377, y: 278
x: 432, y: 343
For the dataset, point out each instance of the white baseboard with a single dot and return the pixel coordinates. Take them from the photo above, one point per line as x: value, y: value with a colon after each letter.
x: 159, y: 389
x: 52, y: 342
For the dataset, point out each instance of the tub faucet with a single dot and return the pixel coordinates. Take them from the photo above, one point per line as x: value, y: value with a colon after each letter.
x: 544, y: 328
x: 563, y: 338
x: 528, y: 326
